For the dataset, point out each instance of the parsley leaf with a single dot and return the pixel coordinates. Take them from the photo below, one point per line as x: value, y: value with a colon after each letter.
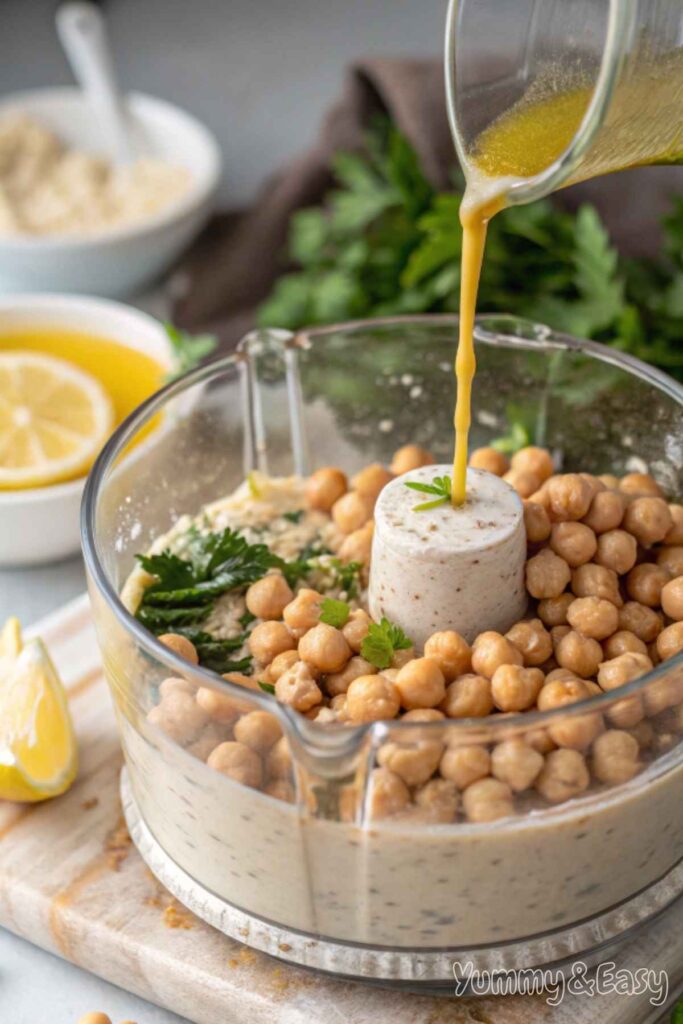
x: 441, y: 486
x: 188, y: 349
x: 266, y: 687
x: 246, y: 619
x: 382, y: 641
x: 334, y: 613
x: 293, y: 517
x: 517, y: 437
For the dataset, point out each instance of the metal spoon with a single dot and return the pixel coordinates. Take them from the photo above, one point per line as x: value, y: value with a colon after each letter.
x: 83, y: 34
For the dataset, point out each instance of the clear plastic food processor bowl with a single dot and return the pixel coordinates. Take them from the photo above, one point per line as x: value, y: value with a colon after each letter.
x: 316, y: 881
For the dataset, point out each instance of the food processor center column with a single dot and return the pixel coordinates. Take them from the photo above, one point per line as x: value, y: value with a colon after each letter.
x: 441, y: 567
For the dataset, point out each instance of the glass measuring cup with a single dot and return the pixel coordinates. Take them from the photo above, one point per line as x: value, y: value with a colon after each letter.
x: 620, y: 63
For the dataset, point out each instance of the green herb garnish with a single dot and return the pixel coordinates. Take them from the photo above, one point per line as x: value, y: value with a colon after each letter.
x: 516, y: 438
x: 346, y: 576
x: 215, y: 653
x: 677, y: 1014
x: 334, y: 613
x: 246, y: 619
x: 188, y: 349
x: 293, y: 517
x: 266, y: 687
x: 382, y: 641
x: 441, y: 486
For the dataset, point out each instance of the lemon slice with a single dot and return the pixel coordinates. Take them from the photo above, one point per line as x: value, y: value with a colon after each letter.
x: 10, y: 641
x: 38, y: 756
x: 54, y: 418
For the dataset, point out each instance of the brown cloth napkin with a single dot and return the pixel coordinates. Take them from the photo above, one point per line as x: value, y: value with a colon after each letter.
x: 233, y: 265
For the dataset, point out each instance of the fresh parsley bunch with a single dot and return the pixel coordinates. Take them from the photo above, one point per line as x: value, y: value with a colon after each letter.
x: 384, y: 243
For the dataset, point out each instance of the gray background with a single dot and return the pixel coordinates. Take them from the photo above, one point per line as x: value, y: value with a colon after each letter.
x: 260, y: 75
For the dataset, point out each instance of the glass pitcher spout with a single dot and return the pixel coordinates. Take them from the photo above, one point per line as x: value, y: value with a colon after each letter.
x: 543, y: 95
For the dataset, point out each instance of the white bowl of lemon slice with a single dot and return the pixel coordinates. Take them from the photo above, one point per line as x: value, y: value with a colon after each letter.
x: 70, y: 369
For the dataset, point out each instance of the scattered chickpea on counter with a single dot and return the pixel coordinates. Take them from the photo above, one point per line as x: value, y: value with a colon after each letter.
x: 604, y: 577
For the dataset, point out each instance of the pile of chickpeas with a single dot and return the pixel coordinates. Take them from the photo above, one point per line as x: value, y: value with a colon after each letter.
x: 604, y: 576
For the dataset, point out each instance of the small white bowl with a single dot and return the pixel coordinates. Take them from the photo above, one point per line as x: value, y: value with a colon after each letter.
x: 41, y: 524
x: 122, y: 261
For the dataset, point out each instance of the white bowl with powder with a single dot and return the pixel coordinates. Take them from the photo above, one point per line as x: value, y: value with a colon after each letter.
x: 137, y: 245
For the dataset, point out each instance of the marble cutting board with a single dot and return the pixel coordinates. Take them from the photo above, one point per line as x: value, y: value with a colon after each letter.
x: 71, y: 882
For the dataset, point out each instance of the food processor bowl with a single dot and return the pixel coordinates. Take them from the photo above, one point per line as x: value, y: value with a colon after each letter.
x: 309, y: 870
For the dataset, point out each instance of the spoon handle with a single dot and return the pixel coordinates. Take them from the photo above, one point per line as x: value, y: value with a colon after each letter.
x: 83, y: 34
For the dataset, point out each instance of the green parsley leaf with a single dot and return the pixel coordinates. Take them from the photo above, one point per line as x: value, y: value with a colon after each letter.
x: 293, y: 517
x: 382, y: 641
x: 188, y: 349
x: 246, y: 619
x: 677, y: 1014
x: 266, y: 687
x: 334, y: 613
x: 517, y: 437
x: 441, y: 486
x: 346, y: 576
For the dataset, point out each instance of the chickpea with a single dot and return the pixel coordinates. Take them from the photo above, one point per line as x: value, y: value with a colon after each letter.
x: 339, y: 682
x: 325, y: 487
x: 324, y: 648
x: 412, y: 762
x: 671, y: 559
x: 558, y: 633
x: 670, y: 641
x: 268, y: 597
x: 258, y: 730
x: 546, y: 574
x: 675, y: 534
x: 371, y: 699
x: 491, y: 650
x: 420, y: 684
x: 540, y: 740
x: 514, y: 688
x: 181, y: 646
x: 298, y: 688
x: 574, y: 542
x: 648, y: 519
x: 640, y: 483
x: 269, y: 639
x: 534, y: 460
x: 439, y: 798
x: 580, y: 654
x: 179, y: 716
x: 552, y: 611
x: 209, y: 738
x: 594, y: 482
x: 356, y: 629
x: 357, y: 546
x: 410, y: 456
x: 532, y: 640
x: 95, y: 1018
x: 387, y: 794
x: 338, y: 707
x: 303, y: 613
x: 219, y: 706
x: 465, y: 765
x: 174, y: 685
x: 645, y: 583
x: 487, y: 800
x: 564, y: 775
x: 489, y: 460
x: 370, y: 481
x: 644, y: 622
x: 541, y: 497
x: 238, y: 762
x: 593, y: 617
x: 536, y: 522
x: 402, y: 657
x: 672, y: 598
x: 570, y: 496
x: 592, y: 580
x: 617, y: 550
x: 469, y: 696
x: 663, y: 693
x: 451, y: 652
x: 610, y: 481
x: 279, y: 760
x: 643, y: 733
x: 280, y: 664
x: 623, y: 669
x: 280, y: 789
x: 351, y: 511
x: 525, y: 484
x: 615, y: 757
x: 606, y: 511
x: 516, y: 763
x: 622, y: 642
x: 575, y: 732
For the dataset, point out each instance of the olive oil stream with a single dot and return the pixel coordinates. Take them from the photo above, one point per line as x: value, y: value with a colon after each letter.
x: 644, y: 125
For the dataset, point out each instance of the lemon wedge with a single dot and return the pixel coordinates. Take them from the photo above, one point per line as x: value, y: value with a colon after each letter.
x: 38, y: 755
x: 54, y: 418
x: 10, y: 642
